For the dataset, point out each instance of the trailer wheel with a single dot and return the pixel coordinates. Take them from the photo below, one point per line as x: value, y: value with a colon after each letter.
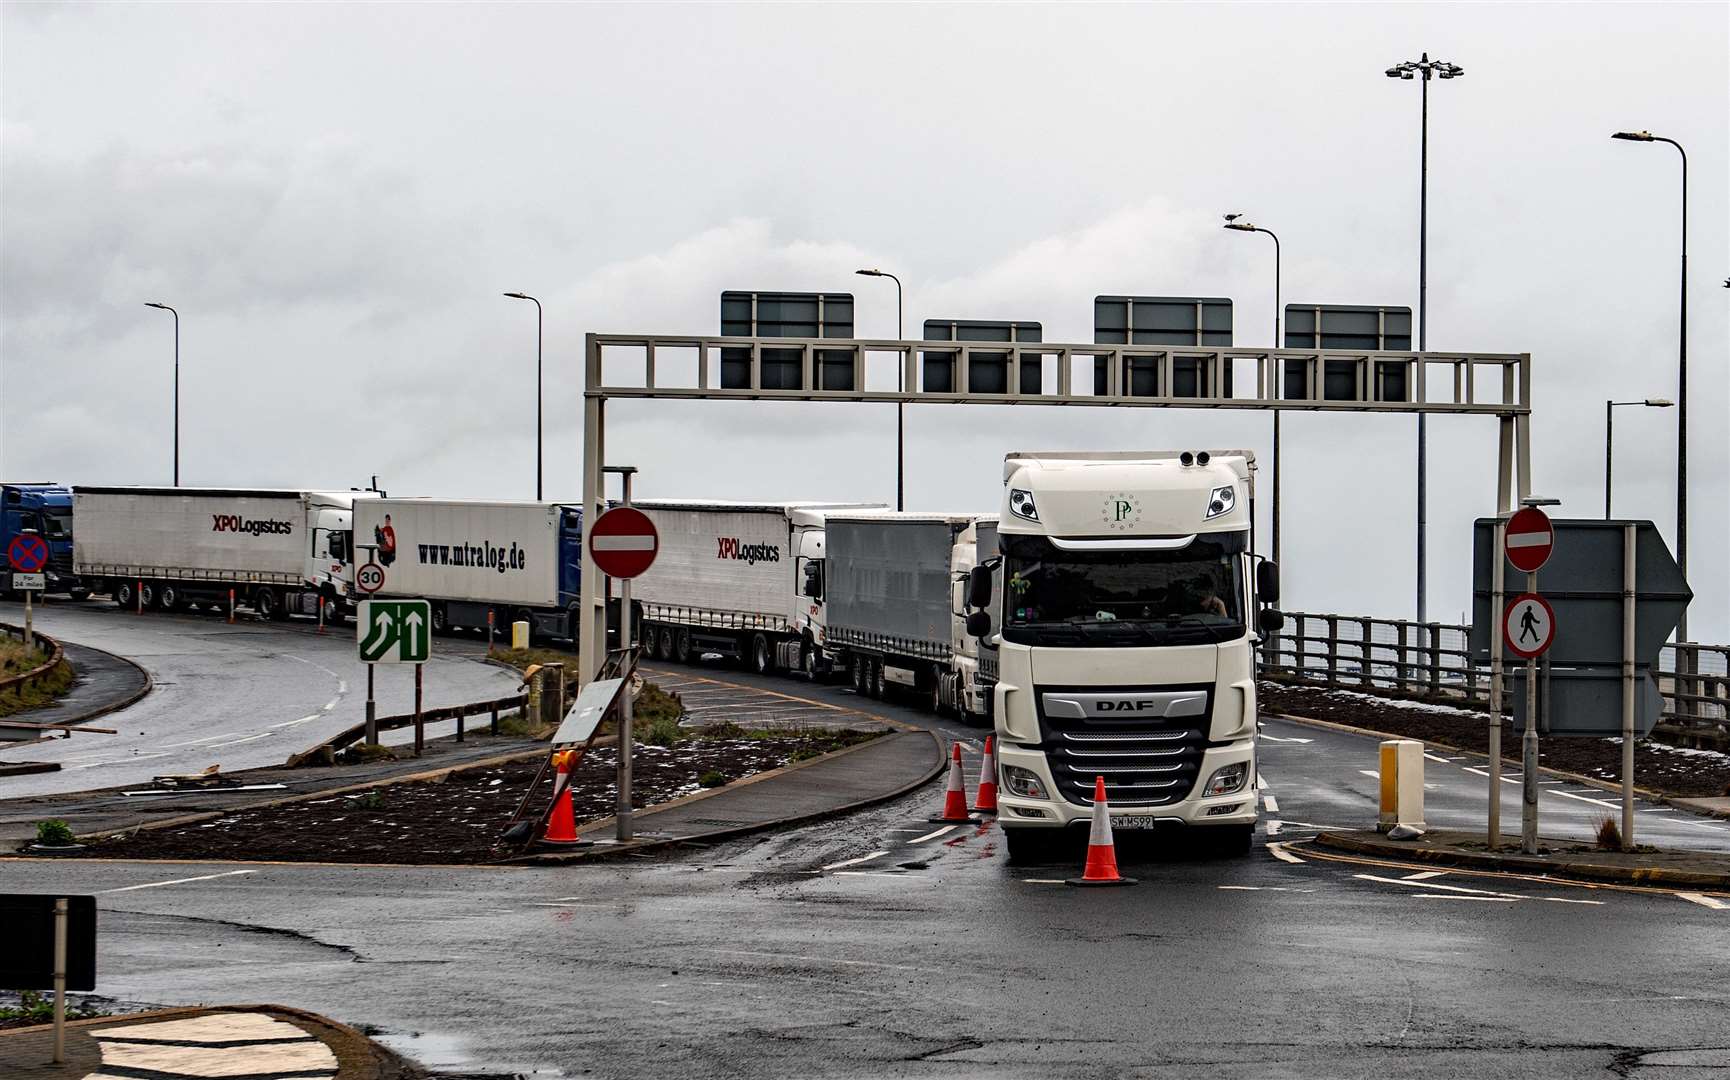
x: 935, y: 700
x: 124, y: 597
x: 682, y: 652
x: 762, y: 657
x: 879, y: 681
x: 664, y: 643
x: 860, y: 678
x: 150, y: 595
x: 267, y: 603
x: 171, y: 598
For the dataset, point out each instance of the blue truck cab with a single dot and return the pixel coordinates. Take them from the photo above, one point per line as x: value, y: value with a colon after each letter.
x: 45, y: 509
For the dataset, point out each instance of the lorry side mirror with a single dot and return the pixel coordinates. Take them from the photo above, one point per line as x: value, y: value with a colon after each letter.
x: 1270, y: 620
x: 978, y: 589
x: 1267, y: 583
x: 814, y: 579
x: 978, y: 623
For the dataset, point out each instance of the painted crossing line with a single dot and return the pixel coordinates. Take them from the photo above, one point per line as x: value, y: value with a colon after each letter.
x: 856, y: 862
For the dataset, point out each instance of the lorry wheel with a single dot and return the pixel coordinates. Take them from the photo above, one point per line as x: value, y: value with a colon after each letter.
x: 859, y: 677
x: 266, y: 603
x: 171, y: 599
x: 762, y: 658
x: 1031, y: 845
x: 935, y: 698
x: 682, y: 652
x: 441, y: 620
x: 124, y: 596
x: 808, y: 660
x: 879, y: 681
x: 664, y: 643
x: 1230, y: 841
x: 149, y: 595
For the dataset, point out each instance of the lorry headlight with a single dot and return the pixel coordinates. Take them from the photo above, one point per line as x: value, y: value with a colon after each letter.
x: 1227, y: 779
x: 1023, y: 782
x: 1021, y: 504
x: 1220, y: 501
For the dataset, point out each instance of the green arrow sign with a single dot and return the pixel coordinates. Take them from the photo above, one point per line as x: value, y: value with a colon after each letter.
x: 394, y: 631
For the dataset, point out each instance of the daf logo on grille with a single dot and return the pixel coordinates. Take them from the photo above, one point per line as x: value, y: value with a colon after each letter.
x: 1131, y: 705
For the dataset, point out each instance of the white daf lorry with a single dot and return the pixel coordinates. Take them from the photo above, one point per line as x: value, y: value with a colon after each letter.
x: 279, y: 552
x: 896, y: 606
x: 1126, y: 626
x: 739, y: 579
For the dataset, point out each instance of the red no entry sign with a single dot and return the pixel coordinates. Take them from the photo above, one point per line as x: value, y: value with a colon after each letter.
x: 1529, y: 539
x: 623, y: 542
x: 27, y: 553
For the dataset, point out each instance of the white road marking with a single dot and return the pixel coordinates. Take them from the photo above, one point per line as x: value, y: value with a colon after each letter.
x: 1703, y: 900
x: 1658, y: 810
x: 1437, y: 757
x: 236, y: 742
x: 176, y: 881
x: 1427, y: 884
x: 206, y: 739
x: 884, y: 873
x: 1274, y: 826
x: 1565, y: 900
x: 1290, y: 739
x: 821, y: 960
x: 302, y: 720
x: 1279, y: 852
x: 1043, y: 880
x: 113, y: 761
x: 1451, y: 896
x: 1271, y: 803
x: 932, y: 835
x: 856, y: 862
x: 1262, y: 888
x: 1371, y: 773
x: 1424, y: 875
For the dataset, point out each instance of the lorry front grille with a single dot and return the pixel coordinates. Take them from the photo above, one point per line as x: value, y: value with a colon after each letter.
x: 1145, y: 760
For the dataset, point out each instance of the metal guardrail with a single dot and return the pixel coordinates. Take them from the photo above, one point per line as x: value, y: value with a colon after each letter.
x: 47, y: 644
x: 1432, y: 661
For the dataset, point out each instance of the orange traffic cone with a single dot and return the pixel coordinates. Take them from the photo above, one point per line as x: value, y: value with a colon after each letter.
x: 561, y: 829
x: 954, y: 795
x: 986, y: 801
x: 1101, y: 852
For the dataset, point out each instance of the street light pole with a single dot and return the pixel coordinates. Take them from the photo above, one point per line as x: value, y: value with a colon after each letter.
x: 538, y: 423
x: 1609, y: 420
x: 1411, y: 69
x: 1681, y: 378
x: 900, y: 406
x: 1231, y: 222
x: 176, y: 314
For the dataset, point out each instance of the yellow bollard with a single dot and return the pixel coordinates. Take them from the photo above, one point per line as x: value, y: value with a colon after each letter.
x: 1402, y: 777
x: 519, y: 635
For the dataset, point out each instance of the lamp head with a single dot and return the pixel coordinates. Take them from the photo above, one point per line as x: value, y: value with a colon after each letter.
x: 869, y: 273
x: 1634, y: 136
x: 1659, y: 403
x: 1240, y: 226
x: 154, y: 304
x: 517, y: 295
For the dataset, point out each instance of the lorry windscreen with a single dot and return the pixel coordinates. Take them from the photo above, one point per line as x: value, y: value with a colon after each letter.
x: 57, y: 524
x: 1121, y: 598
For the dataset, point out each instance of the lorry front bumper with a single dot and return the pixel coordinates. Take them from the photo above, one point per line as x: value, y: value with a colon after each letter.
x: 1236, y: 808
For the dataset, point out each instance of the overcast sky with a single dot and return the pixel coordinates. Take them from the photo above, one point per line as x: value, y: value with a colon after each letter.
x: 334, y: 196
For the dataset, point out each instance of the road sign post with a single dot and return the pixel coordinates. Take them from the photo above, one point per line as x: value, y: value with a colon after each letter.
x: 1497, y: 589
x: 394, y: 632
x: 1529, y: 627
x: 623, y: 543
x: 28, y: 554
x: 1529, y: 741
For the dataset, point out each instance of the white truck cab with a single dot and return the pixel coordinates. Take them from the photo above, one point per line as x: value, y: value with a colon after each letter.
x: 1125, y: 631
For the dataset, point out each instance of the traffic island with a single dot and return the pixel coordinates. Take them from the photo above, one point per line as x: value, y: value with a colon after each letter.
x: 457, y: 816
x: 1568, y: 859
x: 250, y: 1040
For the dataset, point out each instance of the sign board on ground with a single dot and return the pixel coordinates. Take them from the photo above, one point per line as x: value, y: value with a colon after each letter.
x: 27, y: 961
x: 29, y: 582
x: 1528, y: 626
x: 1529, y: 539
x: 369, y: 578
x: 394, y: 631
x: 591, y: 705
x: 624, y: 542
x: 27, y: 553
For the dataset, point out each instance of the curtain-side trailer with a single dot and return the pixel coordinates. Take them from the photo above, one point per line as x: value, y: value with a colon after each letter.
x: 739, y: 579
x: 478, y: 560
x: 278, y: 552
x: 897, y: 614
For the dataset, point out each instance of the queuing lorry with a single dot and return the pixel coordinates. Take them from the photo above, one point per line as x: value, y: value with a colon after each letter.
x: 896, y: 606
x: 46, y: 510
x: 1126, y: 642
x: 741, y: 579
x: 482, y: 564
x: 278, y: 552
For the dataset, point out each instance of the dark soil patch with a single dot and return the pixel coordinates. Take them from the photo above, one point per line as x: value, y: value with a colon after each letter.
x: 458, y: 820
x: 1658, y: 766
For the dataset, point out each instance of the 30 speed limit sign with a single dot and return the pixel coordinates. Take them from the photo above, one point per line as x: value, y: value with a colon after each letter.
x: 369, y: 578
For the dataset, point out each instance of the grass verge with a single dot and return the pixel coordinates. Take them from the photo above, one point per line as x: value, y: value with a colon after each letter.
x: 15, y: 659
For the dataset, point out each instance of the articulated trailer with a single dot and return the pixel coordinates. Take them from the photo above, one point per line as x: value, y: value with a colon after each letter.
x: 480, y: 563
x: 897, y: 615
x: 744, y: 580
x: 277, y: 552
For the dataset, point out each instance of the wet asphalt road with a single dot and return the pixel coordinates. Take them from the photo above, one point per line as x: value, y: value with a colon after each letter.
x: 881, y: 945
x: 237, y: 696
